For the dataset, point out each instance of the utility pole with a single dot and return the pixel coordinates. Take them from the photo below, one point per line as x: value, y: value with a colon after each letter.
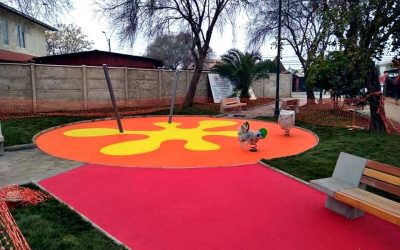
x: 278, y: 60
x: 108, y: 41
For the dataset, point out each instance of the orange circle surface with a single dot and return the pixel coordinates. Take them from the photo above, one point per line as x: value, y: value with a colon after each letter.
x: 172, y: 152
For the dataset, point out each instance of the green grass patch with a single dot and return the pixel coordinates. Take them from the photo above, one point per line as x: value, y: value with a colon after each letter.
x: 320, y: 161
x: 52, y: 225
x: 21, y: 131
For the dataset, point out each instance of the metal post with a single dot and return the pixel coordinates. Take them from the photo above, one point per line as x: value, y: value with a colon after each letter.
x: 109, y: 45
x: 114, y: 103
x: 1, y: 142
x: 278, y: 60
x: 171, y: 109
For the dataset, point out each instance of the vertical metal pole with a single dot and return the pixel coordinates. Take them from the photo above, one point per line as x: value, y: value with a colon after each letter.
x: 278, y: 60
x: 114, y: 103
x: 171, y: 109
x: 1, y: 142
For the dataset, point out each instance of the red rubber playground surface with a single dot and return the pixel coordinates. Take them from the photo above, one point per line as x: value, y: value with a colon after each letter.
x: 187, y: 142
x: 245, y: 207
x: 173, y: 203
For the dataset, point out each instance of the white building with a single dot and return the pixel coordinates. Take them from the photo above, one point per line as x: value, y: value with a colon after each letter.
x: 21, y: 33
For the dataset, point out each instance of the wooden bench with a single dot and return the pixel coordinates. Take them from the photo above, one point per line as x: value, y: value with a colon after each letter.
x: 292, y: 104
x: 346, y: 194
x: 233, y: 102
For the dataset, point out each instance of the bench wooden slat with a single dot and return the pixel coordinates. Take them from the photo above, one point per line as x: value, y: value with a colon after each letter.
x: 232, y: 102
x: 380, y: 185
x: 382, y: 176
x: 383, y: 167
x: 371, y: 203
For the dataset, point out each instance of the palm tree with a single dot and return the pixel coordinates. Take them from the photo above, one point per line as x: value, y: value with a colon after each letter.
x: 241, y: 69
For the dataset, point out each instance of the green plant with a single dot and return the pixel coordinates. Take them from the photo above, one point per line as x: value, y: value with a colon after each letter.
x: 241, y: 69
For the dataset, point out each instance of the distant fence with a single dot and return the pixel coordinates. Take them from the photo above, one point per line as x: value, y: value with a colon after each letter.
x: 348, y: 112
x: 35, y: 88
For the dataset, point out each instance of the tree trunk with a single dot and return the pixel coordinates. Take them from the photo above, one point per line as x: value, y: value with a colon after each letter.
x: 377, y: 123
x: 309, y: 91
x: 376, y: 105
x: 193, y: 85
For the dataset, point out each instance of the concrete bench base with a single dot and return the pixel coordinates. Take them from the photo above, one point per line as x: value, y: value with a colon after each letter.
x: 343, y: 209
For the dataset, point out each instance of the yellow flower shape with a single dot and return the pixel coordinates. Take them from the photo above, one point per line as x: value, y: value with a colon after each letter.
x: 192, y: 136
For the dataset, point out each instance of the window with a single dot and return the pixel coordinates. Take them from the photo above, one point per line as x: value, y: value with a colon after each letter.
x: 4, y: 31
x: 21, y: 36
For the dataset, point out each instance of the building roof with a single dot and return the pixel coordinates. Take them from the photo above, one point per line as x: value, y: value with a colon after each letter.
x: 282, y: 68
x: 395, y: 70
x: 17, y: 12
x: 10, y: 56
x: 96, y: 54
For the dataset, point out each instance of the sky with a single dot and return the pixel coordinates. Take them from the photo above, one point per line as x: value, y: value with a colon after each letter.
x: 92, y: 24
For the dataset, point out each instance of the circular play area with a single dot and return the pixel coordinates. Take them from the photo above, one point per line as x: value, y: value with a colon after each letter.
x: 187, y: 142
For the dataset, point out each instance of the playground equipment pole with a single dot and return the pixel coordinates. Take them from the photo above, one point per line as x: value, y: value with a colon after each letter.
x: 114, y: 103
x: 171, y: 109
x: 278, y: 60
x: 1, y: 142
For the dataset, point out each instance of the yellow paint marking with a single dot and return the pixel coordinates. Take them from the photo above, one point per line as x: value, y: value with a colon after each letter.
x: 192, y: 136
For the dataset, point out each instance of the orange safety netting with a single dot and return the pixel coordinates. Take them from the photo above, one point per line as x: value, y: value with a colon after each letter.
x: 10, y: 234
x: 24, y: 107
x: 351, y: 112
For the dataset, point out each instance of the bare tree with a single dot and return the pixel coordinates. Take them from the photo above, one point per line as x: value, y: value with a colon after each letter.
x: 303, y: 28
x: 157, y: 17
x: 42, y: 9
x: 68, y: 39
x: 174, y: 50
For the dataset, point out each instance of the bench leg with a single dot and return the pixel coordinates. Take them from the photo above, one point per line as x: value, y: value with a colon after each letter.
x: 343, y: 209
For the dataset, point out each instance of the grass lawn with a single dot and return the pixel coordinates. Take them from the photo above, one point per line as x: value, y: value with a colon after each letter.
x: 21, y: 131
x: 320, y: 161
x: 52, y: 225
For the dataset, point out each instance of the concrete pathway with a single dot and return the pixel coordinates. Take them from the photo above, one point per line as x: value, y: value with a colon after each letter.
x: 23, y: 166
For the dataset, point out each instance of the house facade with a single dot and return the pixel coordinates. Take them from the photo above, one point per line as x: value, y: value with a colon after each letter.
x: 21, y: 33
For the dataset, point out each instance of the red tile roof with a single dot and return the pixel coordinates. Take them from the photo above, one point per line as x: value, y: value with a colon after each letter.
x: 10, y: 56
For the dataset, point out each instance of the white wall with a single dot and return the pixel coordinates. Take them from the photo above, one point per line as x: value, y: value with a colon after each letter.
x: 35, y: 41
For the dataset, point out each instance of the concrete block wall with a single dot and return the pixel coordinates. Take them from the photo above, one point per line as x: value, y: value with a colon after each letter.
x: 81, y: 87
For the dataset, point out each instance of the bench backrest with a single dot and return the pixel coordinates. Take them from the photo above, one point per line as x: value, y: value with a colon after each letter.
x: 231, y: 100
x: 349, y: 168
x: 292, y: 104
x: 382, y: 176
x: 357, y: 170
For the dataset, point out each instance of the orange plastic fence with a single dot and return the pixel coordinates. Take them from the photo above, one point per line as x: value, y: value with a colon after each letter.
x: 10, y: 234
x: 351, y: 112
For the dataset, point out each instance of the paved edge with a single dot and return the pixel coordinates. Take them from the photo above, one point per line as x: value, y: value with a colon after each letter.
x: 284, y: 173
